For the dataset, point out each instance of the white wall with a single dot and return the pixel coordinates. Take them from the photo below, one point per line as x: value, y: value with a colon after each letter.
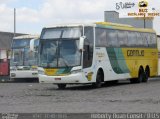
x: 3, y: 54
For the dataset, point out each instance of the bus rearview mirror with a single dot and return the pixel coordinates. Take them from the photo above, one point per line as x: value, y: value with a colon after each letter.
x: 32, y: 45
x: 81, y: 43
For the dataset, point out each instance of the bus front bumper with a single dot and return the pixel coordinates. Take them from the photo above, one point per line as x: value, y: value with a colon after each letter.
x: 23, y: 74
x: 77, y: 78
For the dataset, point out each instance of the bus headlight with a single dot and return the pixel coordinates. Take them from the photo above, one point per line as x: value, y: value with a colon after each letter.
x: 41, y: 72
x: 12, y: 68
x: 76, y: 71
x: 34, y: 68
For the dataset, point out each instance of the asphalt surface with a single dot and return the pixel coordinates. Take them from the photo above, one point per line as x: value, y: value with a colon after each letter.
x: 46, y: 98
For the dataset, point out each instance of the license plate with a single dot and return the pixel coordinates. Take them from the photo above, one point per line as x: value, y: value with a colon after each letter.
x: 34, y: 74
x: 57, y: 78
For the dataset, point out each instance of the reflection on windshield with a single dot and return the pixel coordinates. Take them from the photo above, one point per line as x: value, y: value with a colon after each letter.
x: 17, y: 57
x: 73, y: 32
x: 20, y: 43
x: 69, y: 53
x: 59, y: 53
x: 23, y: 57
x: 48, y: 54
x: 30, y: 57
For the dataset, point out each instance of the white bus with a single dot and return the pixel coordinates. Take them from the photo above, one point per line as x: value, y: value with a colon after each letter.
x: 24, y: 59
x: 95, y: 53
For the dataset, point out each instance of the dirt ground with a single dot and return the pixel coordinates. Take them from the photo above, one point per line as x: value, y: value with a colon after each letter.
x: 46, y: 98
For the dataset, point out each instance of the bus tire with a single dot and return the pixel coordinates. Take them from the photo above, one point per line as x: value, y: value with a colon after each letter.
x: 133, y: 80
x: 141, y: 76
x: 147, y: 74
x: 61, y: 86
x: 99, y: 79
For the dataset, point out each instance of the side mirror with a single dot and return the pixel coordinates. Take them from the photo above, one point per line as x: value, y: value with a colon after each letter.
x: 81, y: 43
x: 32, y: 45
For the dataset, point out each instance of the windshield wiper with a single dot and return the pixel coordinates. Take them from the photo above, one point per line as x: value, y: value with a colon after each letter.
x: 66, y: 64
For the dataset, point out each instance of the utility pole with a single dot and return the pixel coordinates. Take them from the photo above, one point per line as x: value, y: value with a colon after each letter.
x: 144, y: 21
x: 14, y: 22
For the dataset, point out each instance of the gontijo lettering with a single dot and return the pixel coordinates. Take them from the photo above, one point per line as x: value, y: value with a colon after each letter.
x: 135, y: 52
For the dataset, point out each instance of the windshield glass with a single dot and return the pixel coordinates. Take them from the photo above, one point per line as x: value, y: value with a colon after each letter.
x: 21, y: 54
x: 23, y: 57
x: 59, y: 47
x: 17, y: 57
x: 20, y: 43
x: 60, y: 53
x: 30, y: 57
x: 54, y: 33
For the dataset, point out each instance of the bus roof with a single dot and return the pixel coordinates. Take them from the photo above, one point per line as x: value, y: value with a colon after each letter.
x: 27, y: 37
x: 108, y: 25
x: 122, y: 27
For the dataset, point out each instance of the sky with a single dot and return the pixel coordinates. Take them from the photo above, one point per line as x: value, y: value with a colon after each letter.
x: 33, y: 15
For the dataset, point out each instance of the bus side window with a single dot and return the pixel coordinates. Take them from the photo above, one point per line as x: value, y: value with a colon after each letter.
x: 146, y: 39
x: 153, y: 40
x: 139, y: 39
x: 112, y: 38
x: 132, y: 39
x: 101, y: 40
x: 122, y: 38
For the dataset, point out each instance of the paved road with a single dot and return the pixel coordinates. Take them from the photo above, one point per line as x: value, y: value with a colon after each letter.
x: 122, y: 97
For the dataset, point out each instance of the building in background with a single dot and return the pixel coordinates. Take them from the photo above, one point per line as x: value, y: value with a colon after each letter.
x: 5, y: 48
x: 113, y: 16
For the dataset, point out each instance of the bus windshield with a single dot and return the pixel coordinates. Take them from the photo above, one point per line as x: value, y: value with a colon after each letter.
x: 59, y: 47
x: 21, y: 54
x: 23, y: 57
x: 17, y: 57
x: 66, y: 32
x: 60, y: 53
x: 20, y: 43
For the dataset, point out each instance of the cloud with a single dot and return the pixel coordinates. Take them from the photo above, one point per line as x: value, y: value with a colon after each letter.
x: 68, y: 11
x: 74, y: 9
x: 6, y: 18
x: 50, y: 12
x: 25, y: 15
x: 6, y: 1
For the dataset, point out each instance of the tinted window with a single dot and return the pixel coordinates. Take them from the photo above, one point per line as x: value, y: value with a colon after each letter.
x: 122, y: 38
x: 132, y: 39
x: 139, y: 40
x: 146, y: 39
x: 112, y: 38
x: 153, y: 40
x: 64, y: 32
x: 101, y: 37
x: 20, y: 43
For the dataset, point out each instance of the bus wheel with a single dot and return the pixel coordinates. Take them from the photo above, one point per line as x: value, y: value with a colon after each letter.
x: 61, y: 86
x: 99, y: 79
x: 141, y: 76
x: 133, y: 80
x: 147, y: 74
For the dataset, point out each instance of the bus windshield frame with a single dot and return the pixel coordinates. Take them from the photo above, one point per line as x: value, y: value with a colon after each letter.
x: 21, y: 54
x: 59, y: 48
